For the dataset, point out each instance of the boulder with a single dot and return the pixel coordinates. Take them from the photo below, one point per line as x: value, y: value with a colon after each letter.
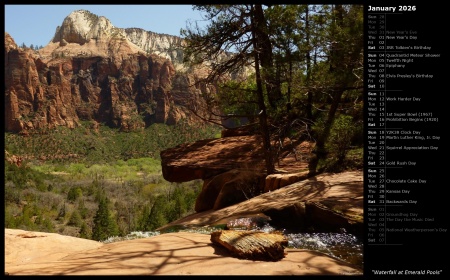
x: 251, y: 244
x: 248, y: 223
x: 276, y: 181
x: 292, y: 217
x: 238, y: 186
x: 207, y: 158
x: 229, y: 188
x: 323, y: 218
x: 326, y: 202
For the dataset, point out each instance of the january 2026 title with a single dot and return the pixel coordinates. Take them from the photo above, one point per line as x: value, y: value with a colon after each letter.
x: 392, y: 9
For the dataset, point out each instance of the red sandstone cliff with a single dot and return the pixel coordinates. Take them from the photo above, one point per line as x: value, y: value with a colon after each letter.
x: 92, y: 71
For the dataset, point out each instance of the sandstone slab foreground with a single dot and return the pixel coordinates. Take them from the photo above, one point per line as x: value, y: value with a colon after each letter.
x: 181, y: 253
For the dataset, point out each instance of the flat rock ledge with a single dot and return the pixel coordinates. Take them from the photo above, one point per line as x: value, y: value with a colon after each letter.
x: 252, y: 245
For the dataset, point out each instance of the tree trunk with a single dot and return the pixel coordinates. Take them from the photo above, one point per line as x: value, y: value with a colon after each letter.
x: 266, y: 57
x: 319, y: 150
x: 308, y: 68
x: 270, y: 167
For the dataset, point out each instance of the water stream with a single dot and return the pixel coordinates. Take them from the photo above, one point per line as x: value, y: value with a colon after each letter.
x: 343, y: 246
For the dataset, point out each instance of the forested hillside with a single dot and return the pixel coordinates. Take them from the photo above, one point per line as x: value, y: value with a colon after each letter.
x: 96, y: 184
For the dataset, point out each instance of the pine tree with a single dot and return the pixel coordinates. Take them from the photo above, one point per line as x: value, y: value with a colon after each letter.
x: 75, y: 219
x: 104, y: 225
x: 84, y: 231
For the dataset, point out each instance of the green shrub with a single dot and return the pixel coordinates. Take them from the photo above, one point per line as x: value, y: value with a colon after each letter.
x: 339, y: 144
x: 85, y: 232
x: 74, y: 193
x: 75, y: 219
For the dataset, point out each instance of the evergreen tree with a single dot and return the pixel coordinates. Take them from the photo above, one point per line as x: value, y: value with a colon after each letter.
x: 154, y: 216
x: 144, y: 221
x: 84, y: 231
x: 75, y: 219
x: 104, y: 225
x: 157, y: 217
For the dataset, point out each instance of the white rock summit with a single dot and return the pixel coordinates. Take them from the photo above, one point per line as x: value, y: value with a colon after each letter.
x: 82, y: 27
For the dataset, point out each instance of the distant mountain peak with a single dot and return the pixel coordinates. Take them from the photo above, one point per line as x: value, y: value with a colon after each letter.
x: 81, y: 26
x: 85, y: 32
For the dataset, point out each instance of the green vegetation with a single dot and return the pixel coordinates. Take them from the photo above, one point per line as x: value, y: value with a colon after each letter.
x: 112, y: 187
x: 86, y: 146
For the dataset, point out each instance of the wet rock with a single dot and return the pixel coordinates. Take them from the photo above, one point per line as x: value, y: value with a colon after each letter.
x: 248, y: 223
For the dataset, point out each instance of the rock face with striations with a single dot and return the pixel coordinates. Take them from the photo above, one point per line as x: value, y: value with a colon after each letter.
x: 207, y: 158
x: 232, y: 169
x: 93, y: 71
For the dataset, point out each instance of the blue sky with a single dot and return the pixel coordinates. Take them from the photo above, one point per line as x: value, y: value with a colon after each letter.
x: 36, y: 24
